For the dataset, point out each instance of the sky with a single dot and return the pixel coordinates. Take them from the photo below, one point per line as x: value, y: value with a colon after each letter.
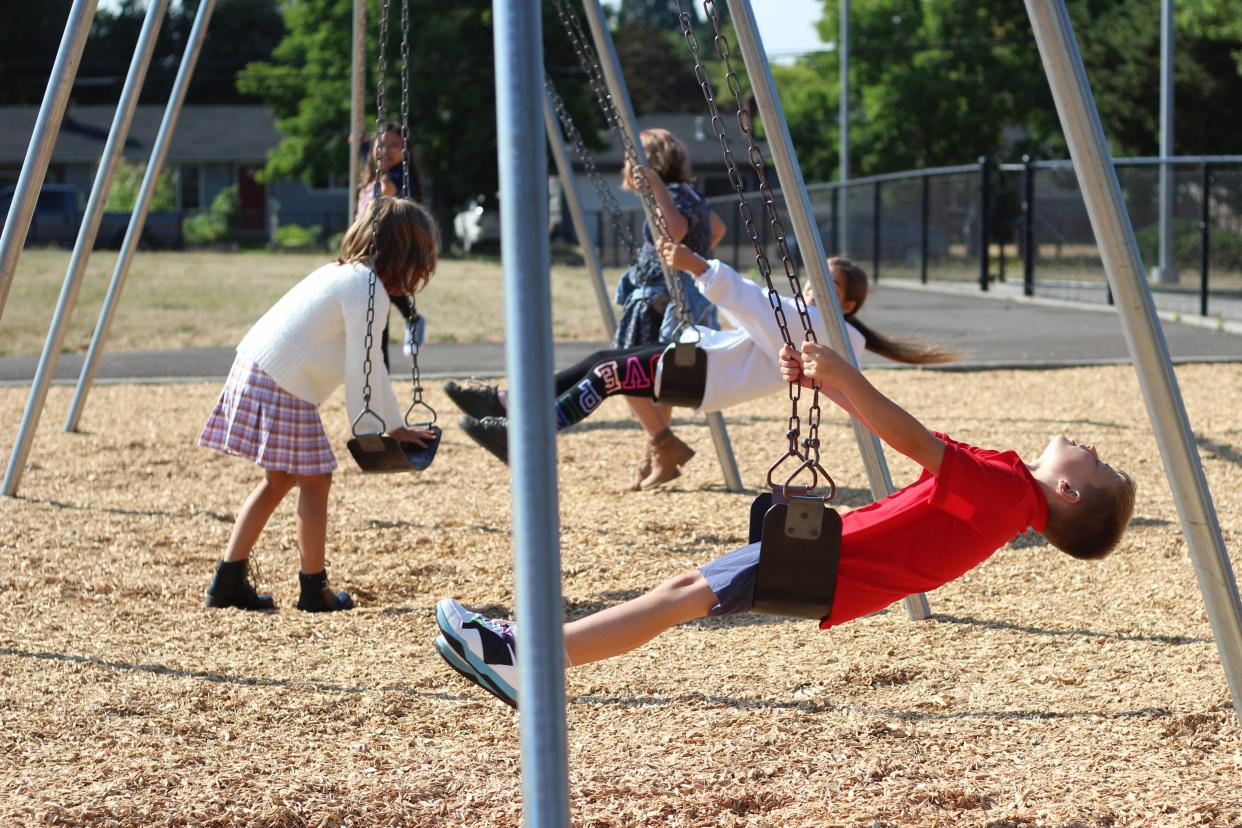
x: 786, y: 26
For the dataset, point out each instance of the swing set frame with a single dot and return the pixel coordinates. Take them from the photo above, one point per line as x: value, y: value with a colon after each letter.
x: 523, y: 167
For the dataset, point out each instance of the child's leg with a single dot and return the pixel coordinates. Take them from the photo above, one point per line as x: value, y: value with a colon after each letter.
x: 313, y: 520
x: 630, y: 372
x: 255, y: 513
x: 626, y: 626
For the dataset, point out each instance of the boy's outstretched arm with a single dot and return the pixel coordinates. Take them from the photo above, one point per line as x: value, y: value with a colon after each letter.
x: 882, y: 417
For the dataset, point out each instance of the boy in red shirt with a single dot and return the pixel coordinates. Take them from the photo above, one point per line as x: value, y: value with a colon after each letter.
x: 967, y: 504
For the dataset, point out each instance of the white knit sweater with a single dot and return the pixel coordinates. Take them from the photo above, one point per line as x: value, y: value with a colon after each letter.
x: 741, y: 364
x: 312, y: 340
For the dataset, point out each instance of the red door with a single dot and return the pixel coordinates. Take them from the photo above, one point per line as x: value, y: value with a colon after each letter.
x: 252, y: 199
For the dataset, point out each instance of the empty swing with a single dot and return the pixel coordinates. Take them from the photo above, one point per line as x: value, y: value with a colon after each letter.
x: 377, y: 452
x: 798, y: 532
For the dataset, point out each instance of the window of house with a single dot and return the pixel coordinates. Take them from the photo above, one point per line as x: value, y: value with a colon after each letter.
x: 189, y: 183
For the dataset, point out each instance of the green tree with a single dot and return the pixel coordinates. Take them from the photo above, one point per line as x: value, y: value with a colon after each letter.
x: 239, y: 32
x: 127, y: 182
x: 937, y: 82
x: 452, y: 92
x: 29, y: 39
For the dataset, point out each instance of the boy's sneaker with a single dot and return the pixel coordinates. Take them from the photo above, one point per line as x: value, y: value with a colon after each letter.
x: 477, y: 399
x: 482, y: 649
x: 492, y: 433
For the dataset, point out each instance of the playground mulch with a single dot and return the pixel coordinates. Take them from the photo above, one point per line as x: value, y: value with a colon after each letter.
x: 1044, y: 691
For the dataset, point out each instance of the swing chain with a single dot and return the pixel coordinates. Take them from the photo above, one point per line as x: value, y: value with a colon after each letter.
x: 607, y: 104
x: 576, y: 142
x: 405, y: 100
x: 810, y: 454
x: 376, y: 193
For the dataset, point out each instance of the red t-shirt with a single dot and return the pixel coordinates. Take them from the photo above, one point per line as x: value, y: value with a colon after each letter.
x: 935, y: 529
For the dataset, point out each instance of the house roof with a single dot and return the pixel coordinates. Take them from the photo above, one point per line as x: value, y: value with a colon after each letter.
x: 241, y: 132
x: 695, y: 131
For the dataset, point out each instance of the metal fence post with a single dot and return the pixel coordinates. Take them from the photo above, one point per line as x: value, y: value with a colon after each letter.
x: 835, y: 226
x: 1028, y: 226
x: 1205, y: 225
x: 42, y: 140
x: 985, y: 224
x: 875, y: 234
x: 924, y: 222
x: 736, y: 231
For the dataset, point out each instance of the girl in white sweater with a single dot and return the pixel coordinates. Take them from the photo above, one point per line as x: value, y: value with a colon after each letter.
x: 741, y: 363
x: 293, y: 359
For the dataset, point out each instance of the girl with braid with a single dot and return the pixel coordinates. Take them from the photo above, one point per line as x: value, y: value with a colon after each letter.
x: 740, y: 367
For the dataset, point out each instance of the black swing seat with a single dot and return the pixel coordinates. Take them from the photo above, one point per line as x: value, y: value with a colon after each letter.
x: 799, y: 541
x: 381, y: 454
x: 683, y: 369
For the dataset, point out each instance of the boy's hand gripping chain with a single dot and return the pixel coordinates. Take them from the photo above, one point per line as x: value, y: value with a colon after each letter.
x: 377, y: 452
x: 800, y: 535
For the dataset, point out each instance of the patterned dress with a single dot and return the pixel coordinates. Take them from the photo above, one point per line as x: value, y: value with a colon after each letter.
x: 648, y: 316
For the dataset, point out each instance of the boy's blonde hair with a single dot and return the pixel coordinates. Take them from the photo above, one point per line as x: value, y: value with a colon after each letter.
x: 406, y: 243
x: 667, y: 155
x: 1093, y: 527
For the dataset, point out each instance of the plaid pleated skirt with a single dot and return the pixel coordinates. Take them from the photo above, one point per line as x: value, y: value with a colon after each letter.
x: 257, y: 419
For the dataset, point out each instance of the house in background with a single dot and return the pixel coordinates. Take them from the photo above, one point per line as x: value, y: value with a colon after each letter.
x: 707, y: 165
x: 213, y: 147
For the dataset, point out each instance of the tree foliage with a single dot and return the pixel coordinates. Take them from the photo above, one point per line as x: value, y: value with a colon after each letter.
x: 452, y: 91
x: 936, y: 82
x: 239, y: 31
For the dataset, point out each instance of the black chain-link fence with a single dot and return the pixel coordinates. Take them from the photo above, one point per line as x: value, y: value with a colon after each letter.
x: 929, y: 226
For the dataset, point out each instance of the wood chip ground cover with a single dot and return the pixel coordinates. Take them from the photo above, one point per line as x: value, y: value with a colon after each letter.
x: 1045, y: 691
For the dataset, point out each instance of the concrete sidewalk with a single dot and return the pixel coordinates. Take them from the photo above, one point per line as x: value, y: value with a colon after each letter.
x: 998, y: 330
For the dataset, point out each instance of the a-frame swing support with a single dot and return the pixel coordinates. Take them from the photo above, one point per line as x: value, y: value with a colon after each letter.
x: 1097, y: 178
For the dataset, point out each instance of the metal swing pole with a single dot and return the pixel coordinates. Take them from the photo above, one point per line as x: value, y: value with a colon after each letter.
x: 798, y: 202
x: 1080, y: 121
x: 625, y: 111
x: 357, y: 79
x: 138, y: 219
x: 82, y: 247
x: 565, y: 171
x: 42, y: 141
x: 532, y: 431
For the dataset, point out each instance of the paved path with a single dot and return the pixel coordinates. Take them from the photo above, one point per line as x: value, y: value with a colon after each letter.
x: 995, y: 331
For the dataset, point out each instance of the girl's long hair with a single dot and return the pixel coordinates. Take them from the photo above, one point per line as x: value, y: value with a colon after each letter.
x: 908, y: 351
x: 406, y: 243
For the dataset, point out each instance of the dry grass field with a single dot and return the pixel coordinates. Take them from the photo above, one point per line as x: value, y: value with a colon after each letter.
x: 1044, y: 692
x: 205, y: 299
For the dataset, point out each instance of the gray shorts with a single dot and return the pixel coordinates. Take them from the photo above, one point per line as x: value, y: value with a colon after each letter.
x: 732, y: 578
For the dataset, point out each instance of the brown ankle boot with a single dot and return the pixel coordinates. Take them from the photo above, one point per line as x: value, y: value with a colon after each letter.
x: 644, y: 468
x: 668, y: 453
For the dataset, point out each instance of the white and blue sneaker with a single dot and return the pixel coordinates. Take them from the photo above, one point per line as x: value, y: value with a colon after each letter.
x: 482, y: 649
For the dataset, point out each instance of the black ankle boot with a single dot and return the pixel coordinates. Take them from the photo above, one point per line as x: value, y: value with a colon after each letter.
x: 232, y: 588
x: 316, y: 597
